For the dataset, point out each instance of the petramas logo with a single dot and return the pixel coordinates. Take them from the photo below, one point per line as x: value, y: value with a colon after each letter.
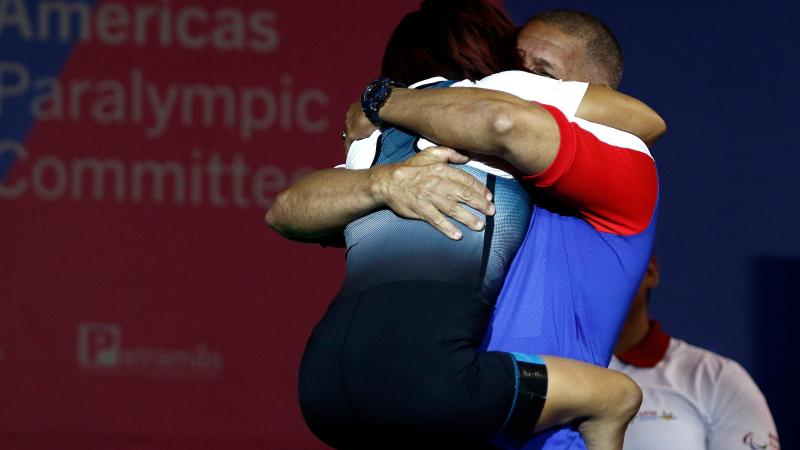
x: 101, y: 350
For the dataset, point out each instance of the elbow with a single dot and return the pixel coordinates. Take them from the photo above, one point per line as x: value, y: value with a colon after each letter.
x: 270, y: 219
x: 662, y: 126
x: 501, y: 124
x: 275, y: 216
x: 658, y: 130
x: 502, y: 120
x: 286, y: 217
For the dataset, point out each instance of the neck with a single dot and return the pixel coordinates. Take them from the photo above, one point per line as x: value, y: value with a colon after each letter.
x: 636, y: 327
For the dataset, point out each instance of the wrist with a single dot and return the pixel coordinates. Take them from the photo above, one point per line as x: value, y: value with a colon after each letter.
x: 375, y: 96
x: 392, y: 109
x: 377, y: 186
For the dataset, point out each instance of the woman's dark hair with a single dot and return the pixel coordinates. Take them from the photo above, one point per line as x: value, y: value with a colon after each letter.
x: 455, y: 39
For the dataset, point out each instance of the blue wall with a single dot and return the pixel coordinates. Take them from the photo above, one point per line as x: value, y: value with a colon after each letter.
x: 723, y: 76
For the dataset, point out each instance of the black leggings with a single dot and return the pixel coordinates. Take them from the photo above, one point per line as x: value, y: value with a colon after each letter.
x: 396, y: 366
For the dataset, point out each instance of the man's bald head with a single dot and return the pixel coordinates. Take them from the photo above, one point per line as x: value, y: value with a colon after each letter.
x: 581, y: 47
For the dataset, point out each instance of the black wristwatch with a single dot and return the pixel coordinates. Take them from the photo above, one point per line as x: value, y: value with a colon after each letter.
x: 375, y: 96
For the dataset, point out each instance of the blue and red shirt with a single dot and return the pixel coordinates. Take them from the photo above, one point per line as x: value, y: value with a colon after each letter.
x: 590, y: 236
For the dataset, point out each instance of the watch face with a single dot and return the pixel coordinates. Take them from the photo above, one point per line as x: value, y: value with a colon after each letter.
x: 374, y: 96
x: 376, y: 88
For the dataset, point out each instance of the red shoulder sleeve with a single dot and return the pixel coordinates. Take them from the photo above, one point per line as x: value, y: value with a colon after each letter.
x: 613, y: 187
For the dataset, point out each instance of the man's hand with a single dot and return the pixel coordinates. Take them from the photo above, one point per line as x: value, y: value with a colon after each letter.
x: 425, y: 187
x: 357, y: 126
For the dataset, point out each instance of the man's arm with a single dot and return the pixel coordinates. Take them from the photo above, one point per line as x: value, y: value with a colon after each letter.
x: 320, y: 203
x: 480, y: 121
x: 606, y: 106
x: 504, y: 125
x: 604, y: 175
x: 598, y: 104
x: 424, y: 187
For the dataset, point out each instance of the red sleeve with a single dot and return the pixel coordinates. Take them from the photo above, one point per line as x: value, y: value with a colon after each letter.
x: 614, y: 188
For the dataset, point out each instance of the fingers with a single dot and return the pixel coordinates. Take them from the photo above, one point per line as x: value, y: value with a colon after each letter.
x: 441, y: 154
x: 351, y: 117
x: 433, y: 216
x: 446, y: 154
x: 461, y: 187
x: 347, y: 142
x: 451, y: 183
x: 426, y: 187
x: 439, y: 211
x: 476, y: 196
x: 357, y: 126
x: 445, y: 200
x: 456, y: 211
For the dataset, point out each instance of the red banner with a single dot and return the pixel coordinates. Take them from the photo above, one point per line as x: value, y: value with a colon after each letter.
x: 144, y: 302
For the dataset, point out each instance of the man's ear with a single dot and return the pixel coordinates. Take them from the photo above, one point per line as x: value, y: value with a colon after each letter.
x: 653, y: 272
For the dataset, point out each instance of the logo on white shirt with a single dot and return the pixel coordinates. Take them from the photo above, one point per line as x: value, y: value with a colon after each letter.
x: 756, y: 441
x: 653, y: 414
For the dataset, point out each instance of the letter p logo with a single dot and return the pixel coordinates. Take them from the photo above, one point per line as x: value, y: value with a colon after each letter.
x: 98, y: 345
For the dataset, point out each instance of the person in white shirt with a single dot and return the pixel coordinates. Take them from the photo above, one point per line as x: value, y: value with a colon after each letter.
x: 693, y: 398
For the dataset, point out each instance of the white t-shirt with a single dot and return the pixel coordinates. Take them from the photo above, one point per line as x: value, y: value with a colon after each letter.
x: 697, y: 400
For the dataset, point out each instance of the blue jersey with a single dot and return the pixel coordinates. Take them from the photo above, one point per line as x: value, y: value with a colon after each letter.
x: 591, y: 233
